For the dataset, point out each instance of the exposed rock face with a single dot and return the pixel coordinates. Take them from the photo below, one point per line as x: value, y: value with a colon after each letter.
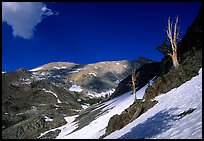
x: 193, y: 39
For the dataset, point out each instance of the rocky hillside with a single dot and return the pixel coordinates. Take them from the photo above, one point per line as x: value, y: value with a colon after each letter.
x: 54, y: 91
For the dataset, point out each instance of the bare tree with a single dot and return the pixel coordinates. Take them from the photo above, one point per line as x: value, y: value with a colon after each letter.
x: 134, y: 77
x: 173, y: 37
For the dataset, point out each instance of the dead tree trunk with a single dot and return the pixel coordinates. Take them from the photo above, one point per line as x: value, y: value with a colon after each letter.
x: 173, y: 40
x: 134, y: 77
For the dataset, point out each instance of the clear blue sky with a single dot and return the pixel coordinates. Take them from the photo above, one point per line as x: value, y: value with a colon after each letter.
x: 91, y: 32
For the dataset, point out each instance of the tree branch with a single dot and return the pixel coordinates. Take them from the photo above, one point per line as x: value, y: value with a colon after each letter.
x: 175, y: 29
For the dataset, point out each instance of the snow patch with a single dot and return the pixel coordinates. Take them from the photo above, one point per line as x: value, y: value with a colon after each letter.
x: 58, y: 101
x: 76, y: 88
x: 63, y: 67
x: 56, y: 76
x: 25, y: 81
x: 78, y: 100
x: 80, y: 69
x: 48, y: 119
x: 43, y: 73
x: 100, y: 95
x: 56, y: 67
x: 36, y: 69
x: 74, y: 71
x: 85, y: 106
x: 117, y: 81
x: 92, y: 73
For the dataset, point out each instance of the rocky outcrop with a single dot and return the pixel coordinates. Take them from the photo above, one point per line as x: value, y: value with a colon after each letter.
x: 190, y: 58
x: 30, y: 128
x: 189, y: 46
x: 193, y: 39
x: 135, y: 110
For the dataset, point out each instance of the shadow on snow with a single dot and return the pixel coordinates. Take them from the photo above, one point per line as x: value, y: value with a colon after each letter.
x: 160, y: 122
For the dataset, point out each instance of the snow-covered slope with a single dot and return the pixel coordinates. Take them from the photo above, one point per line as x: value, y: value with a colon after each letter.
x: 163, y: 120
x: 178, y: 114
x: 97, y: 127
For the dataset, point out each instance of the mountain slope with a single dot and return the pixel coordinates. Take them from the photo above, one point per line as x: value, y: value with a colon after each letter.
x: 96, y: 117
x: 55, y: 90
x: 90, y: 80
x: 178, y: 114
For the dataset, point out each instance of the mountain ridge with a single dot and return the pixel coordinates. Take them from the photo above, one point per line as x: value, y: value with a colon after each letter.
x: 64, y: 63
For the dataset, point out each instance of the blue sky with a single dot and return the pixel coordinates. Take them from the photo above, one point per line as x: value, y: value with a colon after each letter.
x: 88, y: 32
